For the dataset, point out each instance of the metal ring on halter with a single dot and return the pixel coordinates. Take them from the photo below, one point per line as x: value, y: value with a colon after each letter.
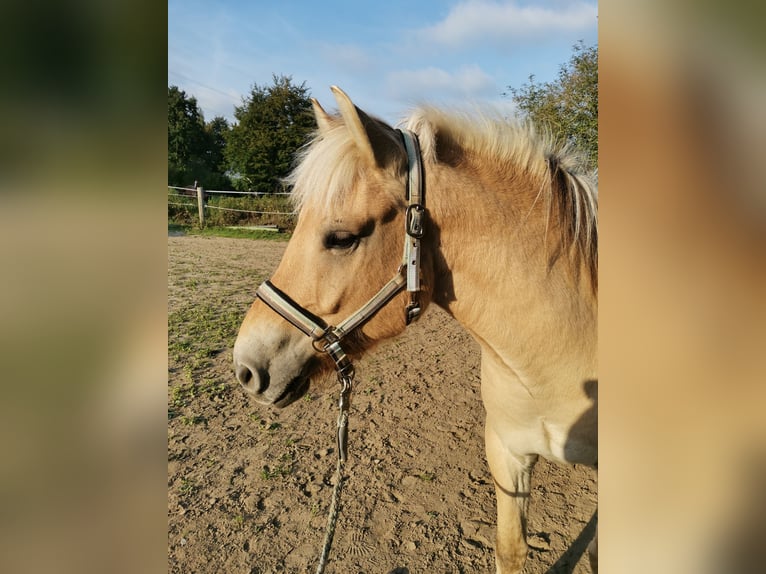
x: 321, y: 341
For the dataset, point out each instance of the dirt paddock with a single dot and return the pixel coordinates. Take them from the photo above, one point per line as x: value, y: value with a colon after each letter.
x: 249, y: 487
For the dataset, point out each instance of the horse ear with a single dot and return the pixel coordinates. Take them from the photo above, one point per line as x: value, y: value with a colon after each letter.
x: 324, y: 120
x: 371, y: 136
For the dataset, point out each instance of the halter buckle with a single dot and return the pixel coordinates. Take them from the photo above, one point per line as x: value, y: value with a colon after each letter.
x: 414, y: 220
x: 413, y: 311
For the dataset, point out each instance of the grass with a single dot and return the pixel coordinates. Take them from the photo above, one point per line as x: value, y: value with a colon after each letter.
x: 193, y: 420
x: 182, y: 395
x: 197, y: 334
x: 187, y: 487
x: 263, y: 425
x: 236, y: 233
x: 201, y: 331
x: 269, y: 428
x: 282, y: 470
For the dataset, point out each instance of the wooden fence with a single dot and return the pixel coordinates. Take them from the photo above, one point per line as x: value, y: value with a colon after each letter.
x: 228, y: 207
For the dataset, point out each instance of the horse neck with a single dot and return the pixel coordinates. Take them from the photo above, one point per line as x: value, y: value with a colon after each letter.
x: 492, y: 268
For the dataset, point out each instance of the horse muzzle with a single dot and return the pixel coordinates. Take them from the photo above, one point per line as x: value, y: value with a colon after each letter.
x: 273, y: 374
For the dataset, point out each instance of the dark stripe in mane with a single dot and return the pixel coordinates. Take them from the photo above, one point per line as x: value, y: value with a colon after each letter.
x: 570, y: 192
x: 576, y: 211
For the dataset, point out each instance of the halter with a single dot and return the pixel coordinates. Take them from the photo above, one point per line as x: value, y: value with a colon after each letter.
x: 327, y: 338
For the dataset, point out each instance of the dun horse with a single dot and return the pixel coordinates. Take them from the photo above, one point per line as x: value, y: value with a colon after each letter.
x: 503, y: 235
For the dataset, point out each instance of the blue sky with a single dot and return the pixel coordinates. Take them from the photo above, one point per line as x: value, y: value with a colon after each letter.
x: 388, y: 55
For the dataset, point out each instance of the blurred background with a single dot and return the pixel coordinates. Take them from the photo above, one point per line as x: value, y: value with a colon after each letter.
x: 83, y: 286
x: 682, y: 307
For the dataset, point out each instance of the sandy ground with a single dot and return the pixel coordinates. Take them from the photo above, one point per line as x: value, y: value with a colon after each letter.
x: 249, y: 487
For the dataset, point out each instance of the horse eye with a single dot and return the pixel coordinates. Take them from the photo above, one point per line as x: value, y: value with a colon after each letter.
x: 340, y: 240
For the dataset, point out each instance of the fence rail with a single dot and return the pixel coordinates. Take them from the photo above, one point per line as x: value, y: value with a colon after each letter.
x: 251, y: 193
x: 249, y: 210
x: 285, y: 219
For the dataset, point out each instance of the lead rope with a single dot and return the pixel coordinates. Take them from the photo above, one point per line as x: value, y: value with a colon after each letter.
x: 345, y: 378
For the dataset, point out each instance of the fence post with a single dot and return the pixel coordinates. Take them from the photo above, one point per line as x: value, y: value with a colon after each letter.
x: 201, y: 205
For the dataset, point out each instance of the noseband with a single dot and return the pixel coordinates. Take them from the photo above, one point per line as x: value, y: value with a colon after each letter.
x: 327, y: 338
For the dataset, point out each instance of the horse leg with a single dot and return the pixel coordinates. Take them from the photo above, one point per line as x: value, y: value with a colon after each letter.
x: 593, y: 553
x: 593, y: 546
x: 511, y: 474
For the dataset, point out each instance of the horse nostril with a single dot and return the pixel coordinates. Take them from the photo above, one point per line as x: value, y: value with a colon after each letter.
x: 254, y: 381
x: 244, y: 375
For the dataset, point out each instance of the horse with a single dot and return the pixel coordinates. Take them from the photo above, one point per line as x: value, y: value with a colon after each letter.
x: 502, y: 234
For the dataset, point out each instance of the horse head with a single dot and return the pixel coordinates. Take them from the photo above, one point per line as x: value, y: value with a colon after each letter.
x: 349, y: 187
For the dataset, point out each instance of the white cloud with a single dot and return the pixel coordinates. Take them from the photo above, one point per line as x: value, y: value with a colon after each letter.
x: 432, y: 82
x: 475, y: 20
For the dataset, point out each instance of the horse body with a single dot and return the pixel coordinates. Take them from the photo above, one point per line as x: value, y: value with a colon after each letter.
x: 509, y: 250
x: 535, y: 323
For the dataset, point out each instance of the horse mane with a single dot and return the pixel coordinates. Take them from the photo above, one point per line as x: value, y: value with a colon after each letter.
x: 558, y: 171
x: 326, y: 168
x: 555, y: 169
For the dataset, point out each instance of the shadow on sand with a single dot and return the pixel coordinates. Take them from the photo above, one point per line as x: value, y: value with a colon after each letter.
x: 567, y: 561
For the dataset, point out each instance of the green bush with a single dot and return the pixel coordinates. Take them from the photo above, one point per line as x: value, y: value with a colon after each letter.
x: 182, y: 209
x: 220, y: 210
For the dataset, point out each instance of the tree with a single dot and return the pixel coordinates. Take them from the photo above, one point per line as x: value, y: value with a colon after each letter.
x: 195, y: 149
x: 272, y: 124
x: 186, y: 138
x: 216, y: 132
x: 567, y: 106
